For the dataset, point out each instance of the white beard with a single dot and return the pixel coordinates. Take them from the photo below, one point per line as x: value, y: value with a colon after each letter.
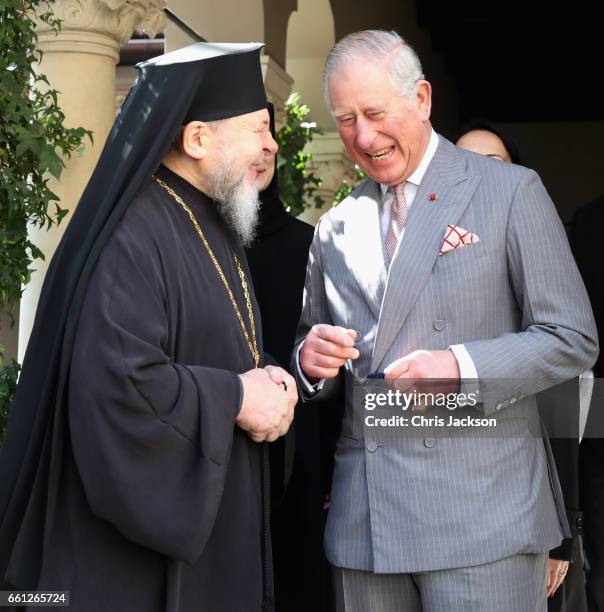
x: 237, y: 201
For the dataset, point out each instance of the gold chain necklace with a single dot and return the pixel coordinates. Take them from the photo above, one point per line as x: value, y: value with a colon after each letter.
x: 253, y: 346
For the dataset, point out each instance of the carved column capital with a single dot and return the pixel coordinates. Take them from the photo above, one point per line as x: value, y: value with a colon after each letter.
x: 100, y: 26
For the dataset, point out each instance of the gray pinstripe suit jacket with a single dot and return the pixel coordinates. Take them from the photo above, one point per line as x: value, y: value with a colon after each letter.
x: 517, y: 303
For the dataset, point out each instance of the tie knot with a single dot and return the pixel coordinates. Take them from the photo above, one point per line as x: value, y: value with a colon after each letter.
x: 398, y: 219
x: 399, y: 194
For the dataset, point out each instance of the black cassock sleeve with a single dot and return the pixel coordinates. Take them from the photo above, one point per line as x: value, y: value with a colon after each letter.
x: 151, y: 437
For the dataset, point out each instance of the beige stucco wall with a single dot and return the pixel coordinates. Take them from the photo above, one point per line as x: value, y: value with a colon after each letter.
x: 224, y: 21
x: 310, y: 37
x: 276, y: 18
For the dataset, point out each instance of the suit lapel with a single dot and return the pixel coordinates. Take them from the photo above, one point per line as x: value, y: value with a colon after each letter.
x: 447, y: 178
x: 364, y: 250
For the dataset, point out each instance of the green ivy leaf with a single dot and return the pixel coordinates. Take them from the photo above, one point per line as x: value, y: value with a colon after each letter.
x: 297, y: 181
x: 36, y: 253
x: 55, y: 164
x: 33, y: 141
x: 61, y: 213
x: 22, y: 147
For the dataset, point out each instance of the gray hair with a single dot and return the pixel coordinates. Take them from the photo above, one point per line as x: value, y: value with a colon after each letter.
x: 404, y: 68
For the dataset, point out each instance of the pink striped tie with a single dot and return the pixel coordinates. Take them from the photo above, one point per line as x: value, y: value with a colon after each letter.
x: 398, y: 218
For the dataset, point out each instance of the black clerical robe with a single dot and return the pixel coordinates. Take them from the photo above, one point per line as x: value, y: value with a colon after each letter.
x: 160, y: 506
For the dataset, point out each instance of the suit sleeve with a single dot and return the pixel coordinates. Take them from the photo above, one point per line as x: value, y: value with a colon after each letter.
x: 151, y: 436
x: 558, y: 338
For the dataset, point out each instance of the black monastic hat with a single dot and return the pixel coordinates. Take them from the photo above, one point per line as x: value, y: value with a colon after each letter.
x: 230, y: 78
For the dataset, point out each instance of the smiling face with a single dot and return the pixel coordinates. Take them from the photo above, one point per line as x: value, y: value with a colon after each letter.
x: 246, y: 141
x: 384, y: 133
x: 266, y: 171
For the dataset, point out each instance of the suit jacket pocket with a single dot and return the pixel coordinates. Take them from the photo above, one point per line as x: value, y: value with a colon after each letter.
x: 465, y: 255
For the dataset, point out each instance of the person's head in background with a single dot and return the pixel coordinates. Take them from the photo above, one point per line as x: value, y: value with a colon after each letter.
x: 482, y: 137
x: 268, y: 167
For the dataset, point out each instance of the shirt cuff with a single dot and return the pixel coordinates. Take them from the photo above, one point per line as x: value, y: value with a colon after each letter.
x: 309, y: 388
x: 586, y: 387
x: 467, y: 369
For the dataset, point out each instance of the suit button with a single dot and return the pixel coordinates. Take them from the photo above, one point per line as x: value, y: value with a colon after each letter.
x: 372, y: 447
x: 579, y: 524
x: 439, y: 325
x: 429, y: 442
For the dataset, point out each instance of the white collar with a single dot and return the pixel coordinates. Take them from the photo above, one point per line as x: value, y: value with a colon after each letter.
x: 418, y: 174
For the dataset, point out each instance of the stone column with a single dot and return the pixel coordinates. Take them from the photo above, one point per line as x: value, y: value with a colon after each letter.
x: 80, y: 63
x: 278, y: 86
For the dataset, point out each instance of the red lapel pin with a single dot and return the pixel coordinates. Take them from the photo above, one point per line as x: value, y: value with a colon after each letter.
x: 432, y: 197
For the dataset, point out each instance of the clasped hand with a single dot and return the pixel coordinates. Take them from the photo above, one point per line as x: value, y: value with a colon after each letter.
x: 269, y: 398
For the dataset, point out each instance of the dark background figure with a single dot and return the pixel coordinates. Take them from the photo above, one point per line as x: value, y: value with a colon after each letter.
x: 585, y: 238
x: 277, y: 261
x: 559, y: 408
x: 483, y: 137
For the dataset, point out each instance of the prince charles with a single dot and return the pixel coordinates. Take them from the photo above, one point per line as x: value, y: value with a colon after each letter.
x: 446, y: 265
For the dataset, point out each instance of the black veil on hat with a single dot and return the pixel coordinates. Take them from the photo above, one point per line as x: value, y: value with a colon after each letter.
x: 205, y: 81
x: 272, y: 216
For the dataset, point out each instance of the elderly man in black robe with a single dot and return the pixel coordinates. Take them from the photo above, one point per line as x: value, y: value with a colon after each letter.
x: 142, y: 484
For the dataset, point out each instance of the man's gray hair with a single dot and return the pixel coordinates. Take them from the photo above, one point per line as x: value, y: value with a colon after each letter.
x: 404, y: 69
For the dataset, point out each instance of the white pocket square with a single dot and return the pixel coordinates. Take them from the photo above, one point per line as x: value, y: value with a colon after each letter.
x: 456, y: 237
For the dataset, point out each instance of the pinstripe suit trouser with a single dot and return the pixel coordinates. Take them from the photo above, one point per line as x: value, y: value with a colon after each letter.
x: 514, y: 584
